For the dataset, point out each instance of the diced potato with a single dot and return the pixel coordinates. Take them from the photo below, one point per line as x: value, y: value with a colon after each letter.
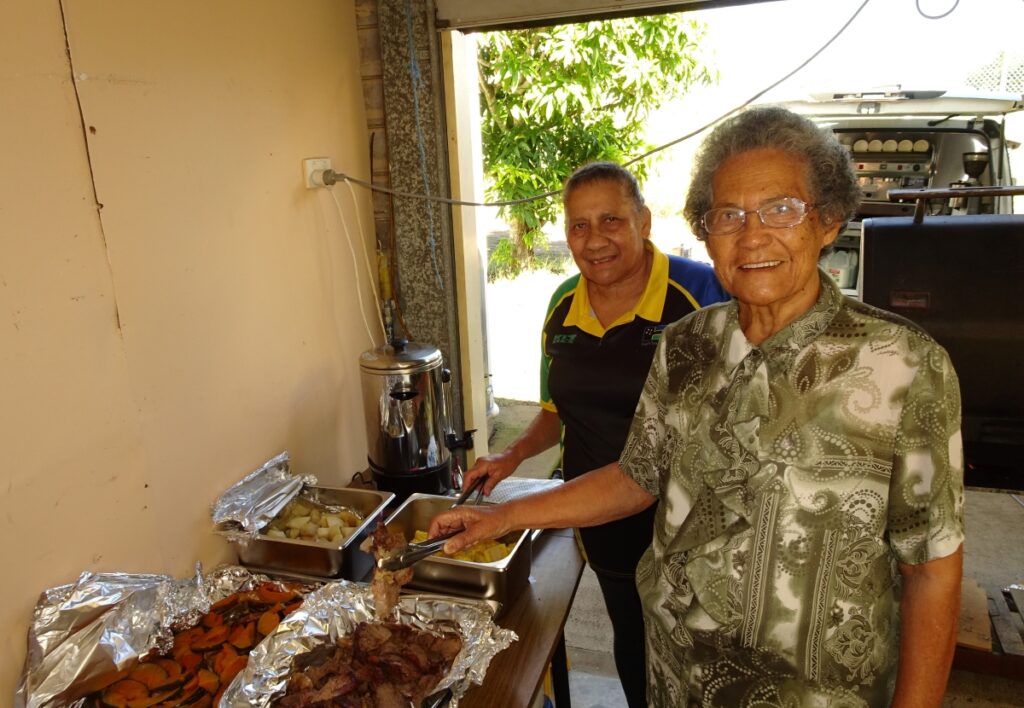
x: 313, y: 523
x: 297, y: 522
x: 350, y: 518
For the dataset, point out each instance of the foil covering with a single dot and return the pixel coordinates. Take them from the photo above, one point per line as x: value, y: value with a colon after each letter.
x: 241, y: 511
x: 334, y: 610
x: 84, y: 631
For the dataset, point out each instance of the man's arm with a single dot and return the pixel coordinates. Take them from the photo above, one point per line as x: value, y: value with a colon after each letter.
x: 929, y: 610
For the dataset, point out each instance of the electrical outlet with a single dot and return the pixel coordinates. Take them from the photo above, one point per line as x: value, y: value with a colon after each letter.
x: 313, y: 169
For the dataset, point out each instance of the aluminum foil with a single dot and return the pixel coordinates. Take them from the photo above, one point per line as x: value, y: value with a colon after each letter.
x: 84, y: 631
x: 252, y: 503
x: 334, y: 610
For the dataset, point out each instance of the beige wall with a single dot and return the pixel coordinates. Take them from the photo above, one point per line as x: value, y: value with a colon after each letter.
x: 206, y: 318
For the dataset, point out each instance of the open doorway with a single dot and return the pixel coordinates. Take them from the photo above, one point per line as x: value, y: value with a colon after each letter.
x: 755, y: 46
x: 750, y: 47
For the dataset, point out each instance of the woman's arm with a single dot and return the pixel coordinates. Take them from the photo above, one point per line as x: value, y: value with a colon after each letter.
x: 600, y: 496
x: 928, y: 621
x: 542, y: 432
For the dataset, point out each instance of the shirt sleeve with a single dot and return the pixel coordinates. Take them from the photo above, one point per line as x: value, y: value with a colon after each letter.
x: 926, y: 491
x: 545, y: 364
x: 545, y: 361
x: 643, y: 450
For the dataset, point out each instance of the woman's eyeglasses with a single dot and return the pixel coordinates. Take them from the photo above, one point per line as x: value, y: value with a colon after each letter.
x: 777, y: 213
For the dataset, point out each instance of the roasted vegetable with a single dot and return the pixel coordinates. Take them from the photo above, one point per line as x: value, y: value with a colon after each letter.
x: 203, y: 659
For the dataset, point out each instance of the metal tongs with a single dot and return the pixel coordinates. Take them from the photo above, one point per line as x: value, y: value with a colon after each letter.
x: 413, y: 552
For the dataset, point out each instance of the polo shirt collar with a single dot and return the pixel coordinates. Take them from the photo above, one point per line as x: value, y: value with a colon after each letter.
x: 649, y: 307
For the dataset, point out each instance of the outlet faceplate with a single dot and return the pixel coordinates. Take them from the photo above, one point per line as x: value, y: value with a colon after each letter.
x: 313, y: 169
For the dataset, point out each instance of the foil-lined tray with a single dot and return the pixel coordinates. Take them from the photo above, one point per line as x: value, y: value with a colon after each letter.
x: 333, y: 612
x: 253, y: 502
x: 84, y: 632
x: 343, y: 559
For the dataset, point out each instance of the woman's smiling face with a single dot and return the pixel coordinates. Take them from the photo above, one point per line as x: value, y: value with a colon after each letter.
x: 606, y: 232
x: 774, y: 269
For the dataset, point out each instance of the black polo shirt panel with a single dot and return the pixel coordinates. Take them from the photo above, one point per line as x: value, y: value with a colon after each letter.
x: 594, y: 381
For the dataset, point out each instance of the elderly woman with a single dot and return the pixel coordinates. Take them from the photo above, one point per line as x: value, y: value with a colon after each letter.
x: 603, y: 325
x: 802, y: 449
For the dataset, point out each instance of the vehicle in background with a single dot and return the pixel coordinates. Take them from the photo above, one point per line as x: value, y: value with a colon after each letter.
x: 915, y: 140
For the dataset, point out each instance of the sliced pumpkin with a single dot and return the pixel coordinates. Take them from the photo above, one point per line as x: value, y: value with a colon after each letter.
x: 190, y: 661
x: 175, y: 671
x: 270, y: 593
x: 243, y: 636
x: 268, y: 622
x: 232, y: 667
x: 150, y: 674
x: 212, y: 619
x: 226, y: 654
x: 155, y: 698
x: 124, y: 693
x: 225, y: 602
x: 208, y: 681
x: 213, y: 638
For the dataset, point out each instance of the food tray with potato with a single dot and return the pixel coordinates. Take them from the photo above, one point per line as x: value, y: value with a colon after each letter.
x: 497, y: 580
x: 318, y: 534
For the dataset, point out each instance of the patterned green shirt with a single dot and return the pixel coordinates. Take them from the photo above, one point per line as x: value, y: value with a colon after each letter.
x: 791, y: 477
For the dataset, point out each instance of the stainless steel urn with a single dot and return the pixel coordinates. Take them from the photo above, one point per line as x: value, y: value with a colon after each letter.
x: 406, y: 400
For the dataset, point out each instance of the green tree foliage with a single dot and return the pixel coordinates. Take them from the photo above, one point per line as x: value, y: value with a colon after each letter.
x: 555, y: 98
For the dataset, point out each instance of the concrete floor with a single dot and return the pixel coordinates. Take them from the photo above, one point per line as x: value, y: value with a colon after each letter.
x: 993, y: 555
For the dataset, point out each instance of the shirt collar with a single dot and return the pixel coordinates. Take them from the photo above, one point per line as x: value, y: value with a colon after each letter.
x: 649, y: 307
x: 796, y: 335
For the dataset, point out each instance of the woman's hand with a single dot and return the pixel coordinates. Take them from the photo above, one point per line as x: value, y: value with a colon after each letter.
x: 494, y: 467
x: 479, y: 523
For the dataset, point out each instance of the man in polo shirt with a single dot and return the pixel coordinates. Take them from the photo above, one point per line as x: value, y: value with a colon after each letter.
x: 599, y: 338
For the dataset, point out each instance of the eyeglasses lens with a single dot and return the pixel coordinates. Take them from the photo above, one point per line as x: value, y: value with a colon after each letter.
x: 778, y: 213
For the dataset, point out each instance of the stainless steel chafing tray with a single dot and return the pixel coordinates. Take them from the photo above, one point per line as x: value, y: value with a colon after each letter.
x: 322, y: 560
x: 499, y: 581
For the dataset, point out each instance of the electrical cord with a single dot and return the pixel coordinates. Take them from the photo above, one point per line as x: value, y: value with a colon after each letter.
x: 355, y: 270
x: 922, y: 13
x: 330, y: 176
x: 366, y: 254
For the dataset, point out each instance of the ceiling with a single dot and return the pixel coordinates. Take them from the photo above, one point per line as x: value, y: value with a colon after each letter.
x: 479, y: 15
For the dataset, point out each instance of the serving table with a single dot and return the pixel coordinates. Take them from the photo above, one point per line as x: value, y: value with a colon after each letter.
x: 538, y: 617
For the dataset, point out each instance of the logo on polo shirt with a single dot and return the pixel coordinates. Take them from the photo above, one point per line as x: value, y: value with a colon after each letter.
x: 564, y: 339
x: 651, y: 336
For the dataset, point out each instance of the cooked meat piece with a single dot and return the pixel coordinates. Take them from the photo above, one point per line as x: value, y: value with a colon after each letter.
x: 387, y: 696
x: 386, y: 585
x: 371, y: 636
x: 377, y: 666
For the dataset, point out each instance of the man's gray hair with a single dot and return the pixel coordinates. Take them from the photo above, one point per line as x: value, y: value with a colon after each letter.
x: 830, y: 178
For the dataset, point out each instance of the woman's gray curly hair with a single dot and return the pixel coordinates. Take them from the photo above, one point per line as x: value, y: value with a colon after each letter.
x: 830, y: 178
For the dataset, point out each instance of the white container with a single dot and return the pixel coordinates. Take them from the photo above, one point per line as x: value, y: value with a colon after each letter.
x: 841, y: 264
